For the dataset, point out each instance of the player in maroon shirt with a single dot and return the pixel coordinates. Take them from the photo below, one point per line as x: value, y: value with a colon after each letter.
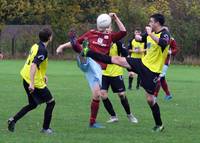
x: 100, y: 40
x: 162, y: 81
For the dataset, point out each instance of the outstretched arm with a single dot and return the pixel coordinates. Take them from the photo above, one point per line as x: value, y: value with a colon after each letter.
x: 72, y: 44
x: 118, y: 21
x: 116, y: 36
x: 62, y: 47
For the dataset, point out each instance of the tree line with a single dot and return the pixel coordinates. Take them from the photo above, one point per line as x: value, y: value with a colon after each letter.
x: 182, y: 17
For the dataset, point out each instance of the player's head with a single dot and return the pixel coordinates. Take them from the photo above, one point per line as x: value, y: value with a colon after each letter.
x: 137, y: 31
x: 156, y: 20
x: 103, y: 22
x: 45, y: 35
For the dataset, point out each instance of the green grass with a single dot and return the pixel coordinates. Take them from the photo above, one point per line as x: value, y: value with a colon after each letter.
x: 181, y: 116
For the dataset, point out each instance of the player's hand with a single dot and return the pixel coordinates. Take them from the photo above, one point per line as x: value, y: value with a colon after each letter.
x: 31, y: 88
x: 46, y: 79
x: 59, y: 50
x: 138, y: 37
x: 113, y: 15
x: 148, y: 30
x: 136, y: 50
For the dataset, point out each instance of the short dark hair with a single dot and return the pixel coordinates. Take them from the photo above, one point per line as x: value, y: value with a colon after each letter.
x: 138, y: 29
x: 45, y: 34
x: 159, y: 18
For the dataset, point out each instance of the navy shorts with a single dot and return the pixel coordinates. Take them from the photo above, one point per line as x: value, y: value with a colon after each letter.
x: 39, y: 95
x: 116, y: 83
x: 148, y: 78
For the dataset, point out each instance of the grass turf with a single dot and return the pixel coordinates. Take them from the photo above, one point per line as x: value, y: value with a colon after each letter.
x: 70, y: 118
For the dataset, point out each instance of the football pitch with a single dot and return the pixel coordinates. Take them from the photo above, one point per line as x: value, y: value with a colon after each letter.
x: 181, y: 115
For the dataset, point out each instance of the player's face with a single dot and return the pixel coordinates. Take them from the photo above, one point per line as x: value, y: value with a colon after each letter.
x: 50, y: 39
x: 137, y: 32
x: 101, y: 29
x: 109, y: 29
x: 153, y: 24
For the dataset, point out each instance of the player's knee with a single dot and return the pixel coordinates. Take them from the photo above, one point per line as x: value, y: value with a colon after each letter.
x: 104, y: 96
x: 51, y: 104
x: 151, y: 100
x: 104, y: 93
x: 131, y: 74
x: 96, y: 95
x: 96, y: 91
x: 121, y: 95
x: 162, y: 78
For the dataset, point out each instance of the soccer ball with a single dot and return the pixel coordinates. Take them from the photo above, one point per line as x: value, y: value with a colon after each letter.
x: 103, y: 21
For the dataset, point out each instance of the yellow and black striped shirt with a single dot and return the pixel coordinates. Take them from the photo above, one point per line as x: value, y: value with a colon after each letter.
x: 156, y: 52
x: 113, y: 70
x: 38, y: 55
x: 136, y: 45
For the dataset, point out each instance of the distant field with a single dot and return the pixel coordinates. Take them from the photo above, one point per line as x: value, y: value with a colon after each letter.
x: 181, y: 116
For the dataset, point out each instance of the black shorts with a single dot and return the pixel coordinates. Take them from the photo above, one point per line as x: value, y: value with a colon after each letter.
x: 39, y: 95
x: 116, y: 83
x: 148, y: 78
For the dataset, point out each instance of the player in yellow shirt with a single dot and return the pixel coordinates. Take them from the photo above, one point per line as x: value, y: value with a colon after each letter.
x: 136, y: 50
x: 34, y: 82
x: 113, y: 76
x: 150, y: 67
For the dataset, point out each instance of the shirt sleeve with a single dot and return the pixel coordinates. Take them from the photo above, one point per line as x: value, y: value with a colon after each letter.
x: 144, y: 37
x: 129, y: 44
x: 116, y: 36
x: 40, y: 56
x: 173, y: 47
x: 164, y: 40
x: 83, y: 37
x: 122, y: 49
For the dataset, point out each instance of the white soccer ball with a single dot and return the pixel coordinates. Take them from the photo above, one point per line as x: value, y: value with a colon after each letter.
x: 103, y: 21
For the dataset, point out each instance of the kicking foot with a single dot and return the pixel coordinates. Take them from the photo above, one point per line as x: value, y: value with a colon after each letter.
x: 85, y: 48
